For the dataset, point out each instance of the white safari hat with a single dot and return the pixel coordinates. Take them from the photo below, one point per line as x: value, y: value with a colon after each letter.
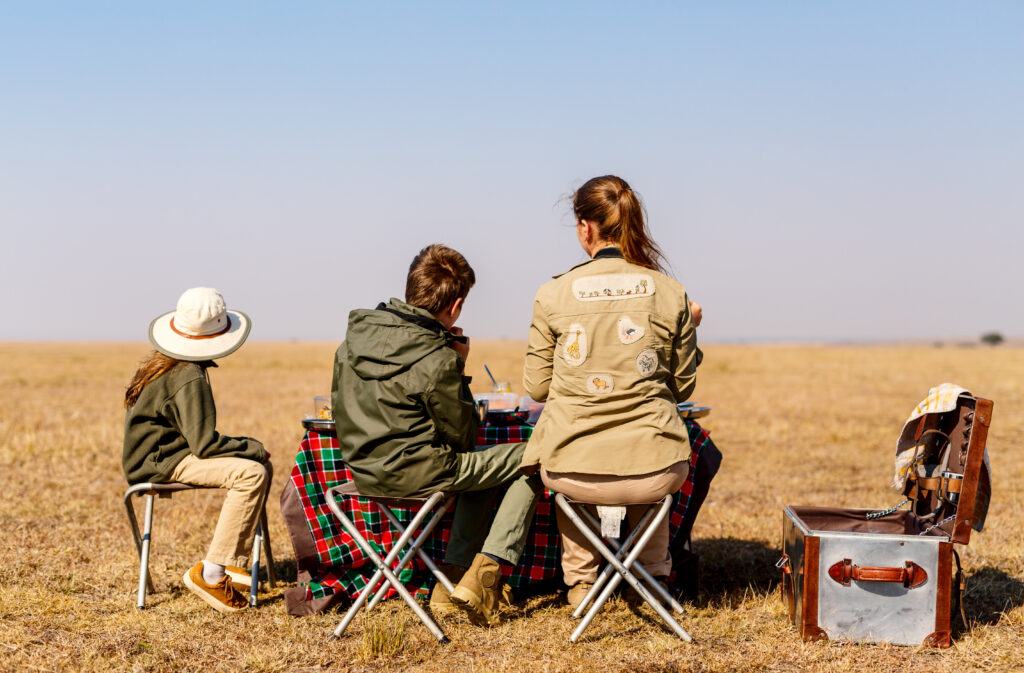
x: 200, y: 329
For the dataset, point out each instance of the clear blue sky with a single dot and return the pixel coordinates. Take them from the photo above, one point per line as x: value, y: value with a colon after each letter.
x: 813, y: 170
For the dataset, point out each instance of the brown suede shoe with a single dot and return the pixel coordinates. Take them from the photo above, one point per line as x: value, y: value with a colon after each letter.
x: 577, y: 592
x: 479, y: 593
x: 221, y: 596
x: 440, y: 599
x: 239, y: 576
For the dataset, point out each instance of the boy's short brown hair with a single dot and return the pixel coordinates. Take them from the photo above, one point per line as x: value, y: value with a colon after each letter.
x: 437, y: 277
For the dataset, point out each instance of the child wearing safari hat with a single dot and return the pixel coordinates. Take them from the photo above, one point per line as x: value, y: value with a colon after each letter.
x: 170, y: 435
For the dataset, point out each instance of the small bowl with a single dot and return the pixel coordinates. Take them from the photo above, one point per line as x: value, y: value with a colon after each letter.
x: 507, y: 416
x: 507, y: 401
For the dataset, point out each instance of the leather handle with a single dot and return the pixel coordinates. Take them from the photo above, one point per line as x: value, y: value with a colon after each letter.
x: 910, y: 575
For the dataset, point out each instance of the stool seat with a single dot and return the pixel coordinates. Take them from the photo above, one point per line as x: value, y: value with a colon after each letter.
x: 161, y: 488
x: 350, y: 489
x: 433, y: 506
x: 649, y: 503
x: 143, y: 539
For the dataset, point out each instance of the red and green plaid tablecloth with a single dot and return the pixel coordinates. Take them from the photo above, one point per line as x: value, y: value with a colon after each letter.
x: 319, y: 466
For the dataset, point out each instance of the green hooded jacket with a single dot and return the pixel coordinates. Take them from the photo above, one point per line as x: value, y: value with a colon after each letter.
x: 402, y: 407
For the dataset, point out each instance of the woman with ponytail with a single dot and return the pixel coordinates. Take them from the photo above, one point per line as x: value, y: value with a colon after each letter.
x: 612, y: 349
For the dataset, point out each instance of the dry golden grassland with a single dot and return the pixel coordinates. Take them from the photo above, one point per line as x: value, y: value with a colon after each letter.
x: 797, y: 425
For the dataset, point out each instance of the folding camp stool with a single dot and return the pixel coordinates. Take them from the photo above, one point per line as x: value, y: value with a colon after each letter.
x: 143, y: 540
x: 433, y: 507
x: 621, y: 560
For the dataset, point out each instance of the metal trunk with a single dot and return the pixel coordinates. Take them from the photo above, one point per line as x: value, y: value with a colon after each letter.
x: 887, y: 576
x: 882, y: 604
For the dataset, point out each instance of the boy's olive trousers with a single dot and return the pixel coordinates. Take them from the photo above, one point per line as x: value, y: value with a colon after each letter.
x: 479, y: 478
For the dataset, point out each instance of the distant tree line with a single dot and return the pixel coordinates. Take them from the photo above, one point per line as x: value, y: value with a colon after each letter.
x: 992, y: 339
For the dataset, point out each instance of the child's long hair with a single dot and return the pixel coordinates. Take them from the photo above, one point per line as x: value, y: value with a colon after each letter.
x: 153, y: 366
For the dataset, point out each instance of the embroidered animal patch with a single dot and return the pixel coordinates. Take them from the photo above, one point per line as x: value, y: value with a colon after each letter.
x: 629, y: 331
x: 575, y: 349
x: 646, y: 362
x: 611, y: 286
x: 600, y: 383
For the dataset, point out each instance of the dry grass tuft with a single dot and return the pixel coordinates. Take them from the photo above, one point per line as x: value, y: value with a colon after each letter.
x: 797, y: 425
x: 383, y: 634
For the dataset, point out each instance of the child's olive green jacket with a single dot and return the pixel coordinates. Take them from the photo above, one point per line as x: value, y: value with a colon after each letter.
x: 173, y: 417
x: 402, y: 407
x: 612, y: 349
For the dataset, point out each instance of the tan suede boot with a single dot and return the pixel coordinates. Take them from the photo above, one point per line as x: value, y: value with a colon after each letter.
x: 479, y: 593
x: 577, y: 592
x: 440, y: 599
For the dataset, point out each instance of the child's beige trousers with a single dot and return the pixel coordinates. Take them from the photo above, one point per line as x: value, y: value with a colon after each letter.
x: 247, y: 482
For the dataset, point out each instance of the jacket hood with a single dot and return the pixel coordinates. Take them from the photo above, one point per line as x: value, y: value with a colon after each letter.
x: 382, y: 345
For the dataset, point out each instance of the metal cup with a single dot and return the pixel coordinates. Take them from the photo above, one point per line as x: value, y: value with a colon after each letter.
x: 950, y: 496
x: 322, y: 409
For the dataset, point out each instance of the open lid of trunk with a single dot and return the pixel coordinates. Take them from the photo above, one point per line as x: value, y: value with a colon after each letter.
x: 942, y: 463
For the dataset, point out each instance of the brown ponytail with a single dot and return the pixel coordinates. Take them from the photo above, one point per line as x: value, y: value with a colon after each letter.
x: 610, y: 203
x: 153, y: 366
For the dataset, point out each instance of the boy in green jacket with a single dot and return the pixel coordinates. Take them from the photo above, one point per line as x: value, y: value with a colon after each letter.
x: 407, y: 426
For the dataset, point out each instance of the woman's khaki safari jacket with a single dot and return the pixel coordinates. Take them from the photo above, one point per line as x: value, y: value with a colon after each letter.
x: 612, y: 350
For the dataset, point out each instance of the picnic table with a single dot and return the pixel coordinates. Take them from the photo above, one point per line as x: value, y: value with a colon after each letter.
x: 331, y: 567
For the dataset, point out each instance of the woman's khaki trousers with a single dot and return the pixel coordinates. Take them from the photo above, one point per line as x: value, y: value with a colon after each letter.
x: 580, y: 561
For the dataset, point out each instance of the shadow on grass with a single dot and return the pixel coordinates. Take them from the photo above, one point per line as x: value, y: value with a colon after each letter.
x: 990, y: 593
x: 546, y: 602
x: 729, y: 567
x: 286, y: 570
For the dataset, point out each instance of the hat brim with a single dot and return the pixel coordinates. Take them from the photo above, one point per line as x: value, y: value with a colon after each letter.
x: 172, y: 344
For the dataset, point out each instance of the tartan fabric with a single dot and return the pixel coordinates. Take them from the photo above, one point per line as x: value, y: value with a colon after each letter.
x: 319, y: 466
x: 699, y: 439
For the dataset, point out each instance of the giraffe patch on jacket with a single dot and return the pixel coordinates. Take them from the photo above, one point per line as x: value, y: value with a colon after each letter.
x: 574, y: 348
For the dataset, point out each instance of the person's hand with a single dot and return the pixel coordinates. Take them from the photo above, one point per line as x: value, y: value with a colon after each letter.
x: 696, y: 311
x: 459, y: 347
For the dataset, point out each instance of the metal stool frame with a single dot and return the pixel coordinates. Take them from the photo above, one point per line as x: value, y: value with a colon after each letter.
x: 434, y: 507
x: 618, y: 569
x: 143, y: 540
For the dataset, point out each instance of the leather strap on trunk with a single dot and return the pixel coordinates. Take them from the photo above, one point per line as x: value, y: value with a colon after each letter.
x: 910, y: 575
